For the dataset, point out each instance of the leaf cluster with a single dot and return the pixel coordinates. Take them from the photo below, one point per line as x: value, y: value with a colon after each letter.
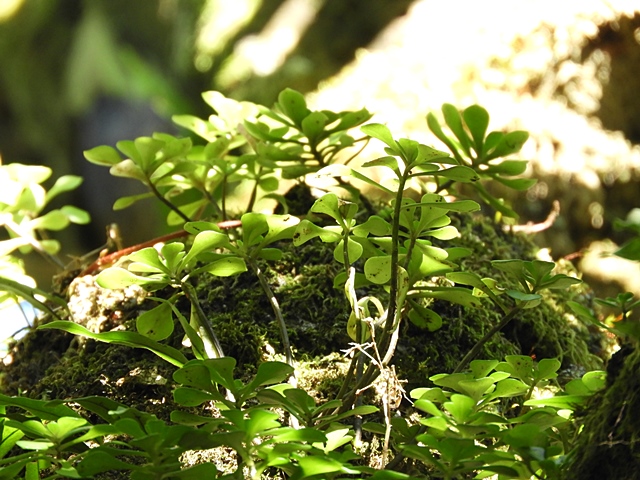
x: 394, y: 264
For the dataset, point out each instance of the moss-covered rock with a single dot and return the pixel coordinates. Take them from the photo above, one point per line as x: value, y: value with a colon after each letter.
x: 316, y: 315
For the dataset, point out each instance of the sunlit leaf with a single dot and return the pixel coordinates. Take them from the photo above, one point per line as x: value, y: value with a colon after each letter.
x: 103, y: 155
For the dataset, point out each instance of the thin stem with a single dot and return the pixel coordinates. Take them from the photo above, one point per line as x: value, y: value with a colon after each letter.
x: 390, y: 324
x: 395, y: 252
x: 276, y: 310
x: 254, y: 191
x: 171, y: 206
x: 478, y: 346
x: 224, y: 197
x: 211, y: 342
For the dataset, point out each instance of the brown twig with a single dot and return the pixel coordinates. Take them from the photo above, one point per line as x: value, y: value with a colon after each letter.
x: 111, y: 258
x: 539, y: 227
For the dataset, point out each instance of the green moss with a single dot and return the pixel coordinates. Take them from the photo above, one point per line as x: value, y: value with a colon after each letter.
x: 609, y: 445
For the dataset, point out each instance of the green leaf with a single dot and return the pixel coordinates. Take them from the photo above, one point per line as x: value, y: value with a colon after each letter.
x: 225, y: 266
x: 103, y: 155
x: 458, y: 295
x: 378, y: 269
x: 338, y: 209
x: 374, y: 225
x: 307, y: 230
x: 444, y: 233
x: 97, y: 461
x: 523, y: 297
x: 205, y: 241
x: 130, y: 339
x: 195, y: 374
x: 434, y: 126
x: 280, y: 227
x: 124, y: 202
x: 388, y: 161
x: 198, y: 126
x: 476, y: 387
x: 477, y: 121
x: 559, y: 401
x: 117, y: 278
x: 508, y: 167
x: 460, y: 407
x: 547, y: 368
x: 509, y: 387
x: 53, y: 220
x: 382, y: 133
x: 458, y: 173
x: 424, y: 317
x: 66, y: 183
x: 518, y: 366
x: 157, y: 323
x: 221, y: 371
x: 466, y: 278
x: 482, y: 368
x: 560, y: 281
x: 454, y: 121
x: 313, y: 126
x: 103, y: 407
x: 43, y: 409
x: 148, y: 257
x: 512, y: 267
x: 76, y: 215
x: 354, y: 250
x: 630, y: 250
x: 293, y: 105
x: 269, y: 373
x: 427, y: 155
x: 269, y: 184
x: 351, y: 119
x: 595, y: 380
x: 509, y: 143
x: 316, y: 465
x: 128, y: 169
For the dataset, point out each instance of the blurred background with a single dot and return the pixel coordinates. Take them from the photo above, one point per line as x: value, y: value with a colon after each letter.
x: 75, y: 74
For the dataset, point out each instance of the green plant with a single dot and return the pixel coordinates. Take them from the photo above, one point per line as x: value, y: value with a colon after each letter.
x: 23, y: 201
x: 466, y: 430
x: 395, y: 262
x: 474, y: 148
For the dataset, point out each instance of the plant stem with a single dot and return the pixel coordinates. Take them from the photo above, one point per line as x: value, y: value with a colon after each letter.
x: 167, y: 202
x: 395, y: 251
x: 276, y: 310
x: 478, y: 346
x: 211, y: 342
x: 390, y: 326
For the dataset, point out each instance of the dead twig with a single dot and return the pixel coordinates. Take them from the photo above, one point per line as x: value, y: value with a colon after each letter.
x: 538, y: 227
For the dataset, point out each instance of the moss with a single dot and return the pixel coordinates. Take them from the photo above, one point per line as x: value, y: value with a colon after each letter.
x: 609, y: 445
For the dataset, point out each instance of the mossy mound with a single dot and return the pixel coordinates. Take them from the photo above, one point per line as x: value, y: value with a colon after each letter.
x: 316, y: 315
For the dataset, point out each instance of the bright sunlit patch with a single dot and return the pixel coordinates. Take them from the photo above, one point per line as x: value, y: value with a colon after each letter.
x: 8, y: 8
x: 265, y: 52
